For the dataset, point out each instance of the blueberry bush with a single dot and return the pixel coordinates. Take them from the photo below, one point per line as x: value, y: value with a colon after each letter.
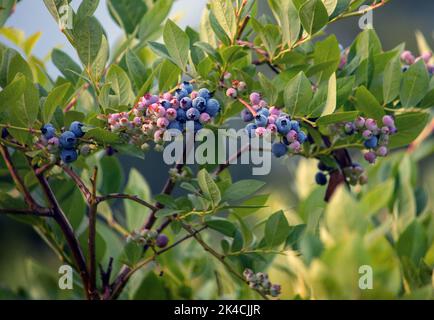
x: 356, y: 121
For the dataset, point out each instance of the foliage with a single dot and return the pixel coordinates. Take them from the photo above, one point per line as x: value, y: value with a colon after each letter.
x: 92, y: 213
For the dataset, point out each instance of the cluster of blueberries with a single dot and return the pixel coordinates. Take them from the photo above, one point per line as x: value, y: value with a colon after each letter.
x: 150, y: 238
x: 154, y: 114
x: 66, y: 143
x: 260, y: 281
x: 375, y: 138
x: 408, y: 59
x: 285, y: 132
x: 354, y: 174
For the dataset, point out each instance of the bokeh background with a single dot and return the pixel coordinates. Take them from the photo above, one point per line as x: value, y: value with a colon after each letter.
x: 395, y: 23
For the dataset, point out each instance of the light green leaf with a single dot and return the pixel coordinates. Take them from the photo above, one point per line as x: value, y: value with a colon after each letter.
x: 224, y: 13
x: 127, y: 13
x: 392, y: 80
x: 88, y: 37
x: 409, y: 125
x: 413, y: 242
x: 87, y: 8
x: 242, y: 189
x: 66, y: 65
x: 177, y: 43
x: 287, y: 16
x: 136, y: 214
x: 415, y: 84
x: 7, y: 7
x: 222, y: 225
x: 327, y: 53
x: 337, y: 117
x: 209, y: 187
x: 368, y: 104
x: 151, y: 21
x: 136, y: 68
x: 276, y: 229
x: 17, y: 64
x: 57, y: 97
x: 313, y: 16
x: 169, y: 76
x: 297, y: 95
x: 121, y: 86
x: 331, y: 96
x: 102, y: 136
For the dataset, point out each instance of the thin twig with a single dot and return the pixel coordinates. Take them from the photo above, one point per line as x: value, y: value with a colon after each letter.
x: 41, y: 212
x: 128, y: 197
x: 79, y: 182
x: 93, y: 207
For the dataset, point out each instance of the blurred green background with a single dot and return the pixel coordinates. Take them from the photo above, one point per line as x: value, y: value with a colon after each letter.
x: 395, y: 23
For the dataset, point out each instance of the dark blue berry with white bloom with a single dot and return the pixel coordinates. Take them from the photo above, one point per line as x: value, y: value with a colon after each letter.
x: 250, y: 129
x: 48, y: 131
x: 283, y: 125
x: 279, y: 149
x: 193, y: 114
x: 264, y: 111
x: 199, y: 103
x: 180, y: 115
x: 185, y: 103
x: 187, y: 86
x: 175, y: 125
x: 68, y: 155
x: 261, y: 120
x: 204, y: 93
x: 212, y: 107
x: 246, y: 115
x: 180, y: 93
x: 67, y: 140
x: 76, y: 128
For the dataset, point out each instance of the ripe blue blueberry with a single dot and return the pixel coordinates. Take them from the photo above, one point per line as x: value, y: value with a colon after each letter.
x: 180, y: 93
x: 212, y: 107
x: 197, y: 126
x: 301, y: 137
x: 321, y: 179
x: 180, y: 115
x: 67, y: 140
x: 295, y: 125
x: 279, y: 149
x: 371, y: 143
x: 283, y: 125
x: 175, y: 125
x: 187, y: 86
x: 166, y: 104
x: 192, y: 114
x: 261, y: 120
x: 246, y: 115
x: 250, y: 129
x: 76, y: 128
x: 5, y: 133
x: 199, y: 103
x: 68, y: 155
x: 48, y: 131
x: 185, y: 103
x: 204, y: 93
x: 264, y: 111
x: 161, y: 241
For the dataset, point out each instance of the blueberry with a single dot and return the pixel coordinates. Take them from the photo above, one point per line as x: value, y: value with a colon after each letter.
x: 199, y: 103
x: 204, y: 93
x: 295, y: 125
x: 250, y: 129
x: 187, y: 86
x: 283, y: 125
x: 323, y: 167
x: 321, y: 179
x: 246, y: 115
x: 166, y: 104
x: 5, y: 133
x: 68, y: 155
x: 192, y: 114
x: 180, y: 93
x: 279, y: 149
x: 185, y: 103
x: 175, y: 125
x: 382, y: 151
x: 48, y: 131
x: 67, y: 140
x: 180, y: 115
x: 301, y: 137
x: 161, y: 241
x: 388, y: 121
x: 197, y: 126
x: 255, y: 98
x: 76, y: 128
x: 261, y: 120
x: 371, y: 143
x: 212, y: 107
x: 370, y: 157
x: 232, y: 93
x: 264, y: 111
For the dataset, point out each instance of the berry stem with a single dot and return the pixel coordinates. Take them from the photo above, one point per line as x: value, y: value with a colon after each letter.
x: 29, y: 130
x: 248, y: 106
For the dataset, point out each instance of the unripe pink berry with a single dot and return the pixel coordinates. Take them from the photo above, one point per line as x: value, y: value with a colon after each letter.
x: 137, y: 121
x: 124, y: 122
x: 171, y: 114
x: 295, y: 146
x: 272, y: 119
x: 371, y: 124
x: 407, y: 57
x: 263, y: 104
x: 162, y: 122
x: 204, y: 118
x: 370, y: 157
x: 260, y: 131
x: 359, y: 122
x: 382, y: 151
x: 388, y: 121
x: 158, y: 135
x: 343, y: 62
x: 54, y: 141
x: 255, y: 98
x: 367, y: 134
x: 167, y: 96
x: 272, y: 127
x: 275, y: 111
x: 231, y: 92
x: 291, y: 136
x: 426, y: 56
x: 194, y: 95
x: 174, y: 103
x: 159, y: 111
x: 242, y: 86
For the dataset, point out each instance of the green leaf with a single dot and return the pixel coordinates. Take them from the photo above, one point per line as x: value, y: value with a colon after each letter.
x: 160, y: 50
x: 313, y: 16
x: 102, y: 136
x: 131, y: 254
x: 367, y: 44
x: 9, y: 95
x: 177, y: 43
x: 111, y: 176
x: 247, y: 207
x: 368, y: 104
x: 392, y: 80
x: 223, y: 11
x: 413, y: 242
x: 57, y: 97
x: 98, y: 66
x: 222, y: 225
x: 169, y: 76
x: 154, y: 17
x: 287, y: 16
x: 209, y: 187
x: 297, y: 95
x: 121, y: 86
x: 87, y: 8
x: 330, y: 105
x: 330, y: 6
x: 242, y: 189
x: 409, y: 125
x: 136, y: 68
x: 415, y: 84
x: 6, y: 9
x: 207, y: 48
x: 327, y: 52
x: 276, y: 229
x: 136, y: 214
x: 66, y: 65
x: 127, y: 13
x: 17, y: 65
x: 167, y: 212
x: 428, y: 101
x: 378, y: 197
x: 88, y: 38
x: 269, y: 91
